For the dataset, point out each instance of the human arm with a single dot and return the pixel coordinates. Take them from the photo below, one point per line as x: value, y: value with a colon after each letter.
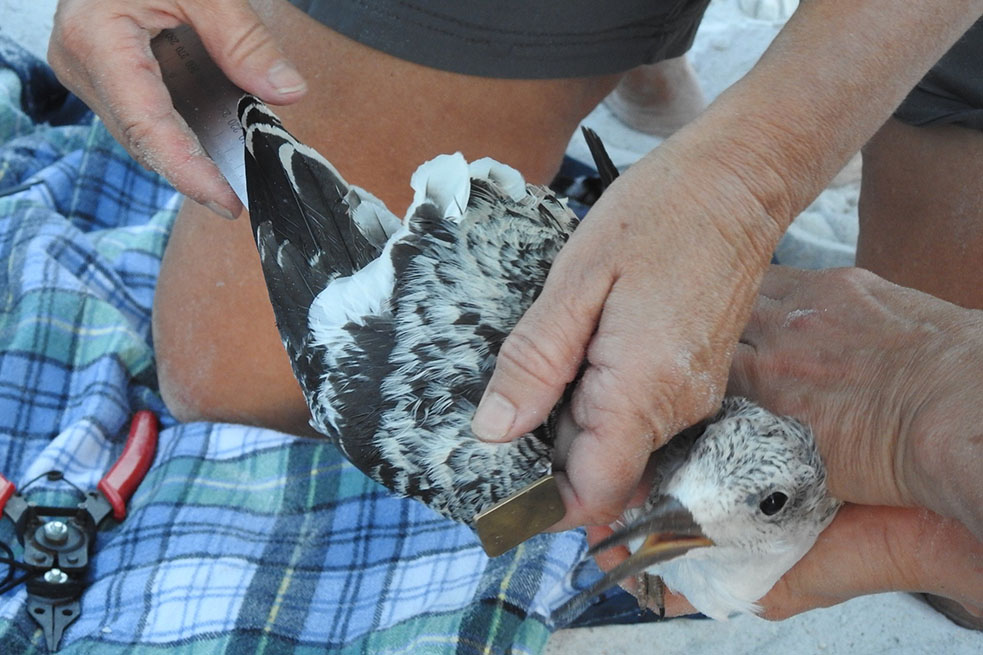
x: 100, y: 50
x: 655, y: 286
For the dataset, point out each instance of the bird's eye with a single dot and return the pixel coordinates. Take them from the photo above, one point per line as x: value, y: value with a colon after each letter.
x: 773, y: 503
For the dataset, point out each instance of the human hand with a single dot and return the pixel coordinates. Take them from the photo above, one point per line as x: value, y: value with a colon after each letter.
x: 887, y: 377
x: 883, y: 375
x: 653, y: 289
x: 869, y: 550
x: 865, y: 550
x: 100, y: 50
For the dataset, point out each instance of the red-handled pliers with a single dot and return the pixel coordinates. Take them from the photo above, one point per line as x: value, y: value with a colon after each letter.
x: 57, y: 540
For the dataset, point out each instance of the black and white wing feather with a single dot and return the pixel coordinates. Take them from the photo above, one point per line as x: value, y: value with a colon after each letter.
x: 323, y: 227
x: 393, y: 327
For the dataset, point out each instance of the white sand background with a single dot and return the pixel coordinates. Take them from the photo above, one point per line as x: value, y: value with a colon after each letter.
x: 729, y: 42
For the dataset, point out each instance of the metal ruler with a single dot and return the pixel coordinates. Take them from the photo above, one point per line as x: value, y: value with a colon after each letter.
x: 206, y: 99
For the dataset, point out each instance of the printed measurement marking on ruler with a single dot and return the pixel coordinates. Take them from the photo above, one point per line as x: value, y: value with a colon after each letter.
x: 205, y: 99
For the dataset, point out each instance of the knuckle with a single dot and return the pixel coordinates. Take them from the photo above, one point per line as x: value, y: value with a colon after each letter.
x: 678, y: 404
x: 250, y: 41
x: 152, y: 140
x: 603, y: 515
x: 69, y: 48
x: 135, y: 134
x: 602, y: 399
x: 656, y: 407
x: 853, y: 279
x: 537, y: 360
x: 137, y: 137
x: 856, y: 274
x: 667, y: 416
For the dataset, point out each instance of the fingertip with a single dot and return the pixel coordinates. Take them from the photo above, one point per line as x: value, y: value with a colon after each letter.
x: 229, y: 201
x: 503, y: 415
x: 246, y: 50
x: 221, y: 210
x: 494, y: 418
x: 286, y: 82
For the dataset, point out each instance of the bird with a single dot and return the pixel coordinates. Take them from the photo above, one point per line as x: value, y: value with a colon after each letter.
x: 392, y: 326
x: 735, y: 502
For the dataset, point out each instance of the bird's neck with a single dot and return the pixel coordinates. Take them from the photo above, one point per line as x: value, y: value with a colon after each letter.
x: 721, y: 581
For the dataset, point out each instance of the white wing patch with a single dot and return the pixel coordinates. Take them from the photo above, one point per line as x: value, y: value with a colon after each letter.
x: 445, y: 181
x: 352, y: 298
x: 348, y: 300
x: 506, y: 177
x: 371, y: 216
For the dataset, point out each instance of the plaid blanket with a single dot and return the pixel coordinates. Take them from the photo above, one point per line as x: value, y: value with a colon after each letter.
x: 239, y: 539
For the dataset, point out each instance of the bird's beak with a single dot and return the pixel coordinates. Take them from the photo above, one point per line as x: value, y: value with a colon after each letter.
x: 669, y: 530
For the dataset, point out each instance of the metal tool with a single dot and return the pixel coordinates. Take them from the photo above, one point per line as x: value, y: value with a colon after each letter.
x: 206, y: 99
x: 522, y: 515
x: 57, y: 540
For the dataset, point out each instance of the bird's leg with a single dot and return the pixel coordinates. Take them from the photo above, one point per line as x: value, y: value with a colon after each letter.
x: 651, y: 593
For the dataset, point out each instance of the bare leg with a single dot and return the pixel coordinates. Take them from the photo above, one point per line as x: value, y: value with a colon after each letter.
x: 376, y: 118
x: 658, y: 98
x: 921, y: 210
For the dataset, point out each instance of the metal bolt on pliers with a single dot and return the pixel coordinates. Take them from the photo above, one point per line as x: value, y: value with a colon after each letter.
x: 57, y: 540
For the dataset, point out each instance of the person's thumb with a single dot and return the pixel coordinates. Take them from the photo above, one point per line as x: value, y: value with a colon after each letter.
x: 246, y: 51
x: 540, y: 357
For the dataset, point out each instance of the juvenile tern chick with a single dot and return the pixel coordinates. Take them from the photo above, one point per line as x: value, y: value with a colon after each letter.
x: 735, y: 503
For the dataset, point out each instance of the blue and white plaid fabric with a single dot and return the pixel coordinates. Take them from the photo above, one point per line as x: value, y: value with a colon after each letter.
x: 239, y: 540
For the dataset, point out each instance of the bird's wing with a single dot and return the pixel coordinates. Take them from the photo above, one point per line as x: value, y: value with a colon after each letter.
x: 392, y: 328
x: 306, y: 200
x: 310, y: 225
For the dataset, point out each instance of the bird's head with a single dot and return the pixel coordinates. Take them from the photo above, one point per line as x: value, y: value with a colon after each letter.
x: 731, y: 508
x: 752, y: 480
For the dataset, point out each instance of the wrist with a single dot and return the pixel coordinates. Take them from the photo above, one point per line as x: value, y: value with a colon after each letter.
x: 739, y: 196
x: 942, y: 556
x: 939, y: 454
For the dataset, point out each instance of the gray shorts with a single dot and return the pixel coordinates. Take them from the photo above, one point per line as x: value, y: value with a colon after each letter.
x: 952, y: 92
x: 528, y: 39
x: 518, y: 39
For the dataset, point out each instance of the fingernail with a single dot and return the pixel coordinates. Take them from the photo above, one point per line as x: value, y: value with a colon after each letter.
x: 285, y: 79
x: 220, y: 210
x: 494, y: 418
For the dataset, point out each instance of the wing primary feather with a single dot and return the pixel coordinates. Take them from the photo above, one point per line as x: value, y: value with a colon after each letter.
x: 300, y: 194
x: 602, y: 161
